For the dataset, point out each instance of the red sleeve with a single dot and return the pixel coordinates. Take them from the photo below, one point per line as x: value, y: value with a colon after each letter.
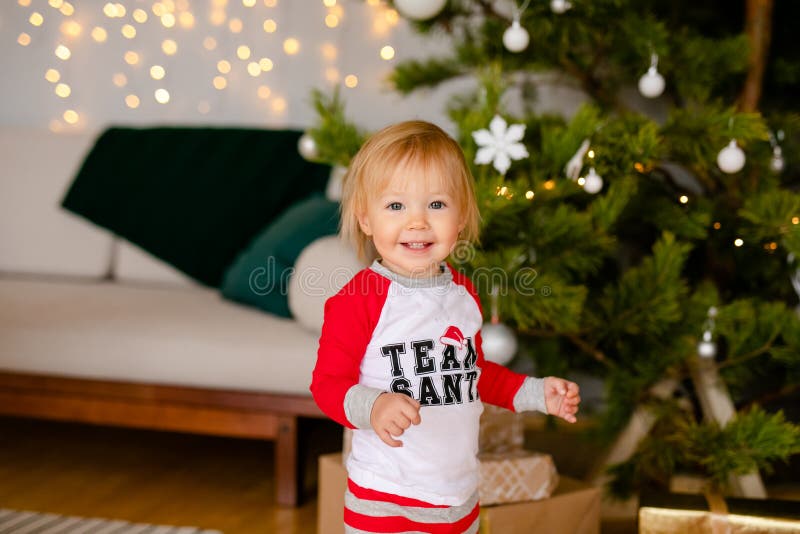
x: 497, y: 384
x: 350, y: 319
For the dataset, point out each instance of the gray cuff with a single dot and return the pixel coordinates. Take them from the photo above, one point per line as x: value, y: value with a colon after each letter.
x: 358, y: 403
x: 530, y: 396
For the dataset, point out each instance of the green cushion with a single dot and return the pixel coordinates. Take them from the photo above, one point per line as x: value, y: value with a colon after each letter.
x: 260, y: 274
x: 193, y: 197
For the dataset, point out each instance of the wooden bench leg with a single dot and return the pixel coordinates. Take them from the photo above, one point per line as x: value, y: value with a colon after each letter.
x: 287, y: 469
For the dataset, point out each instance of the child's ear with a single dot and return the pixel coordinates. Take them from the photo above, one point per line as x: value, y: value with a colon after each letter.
x: 363, y: 222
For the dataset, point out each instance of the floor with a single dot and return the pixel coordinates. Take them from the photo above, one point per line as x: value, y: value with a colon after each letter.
x: 180, y: 479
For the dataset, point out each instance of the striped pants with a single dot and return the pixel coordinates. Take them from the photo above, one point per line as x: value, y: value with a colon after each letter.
x: 370, y: 511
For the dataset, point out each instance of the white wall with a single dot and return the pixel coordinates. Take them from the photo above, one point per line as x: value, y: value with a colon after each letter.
x: 26, y: 98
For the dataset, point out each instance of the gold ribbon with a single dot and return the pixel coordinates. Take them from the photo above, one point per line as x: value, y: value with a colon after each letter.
x: 719, y: 512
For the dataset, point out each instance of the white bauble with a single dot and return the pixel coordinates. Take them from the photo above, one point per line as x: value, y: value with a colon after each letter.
x: 307, y: 147
x: 651, y: 84
x: 776, y: 163
x: 592, y: 182
x: 707, y: 348
x: 560, y: 6
x: 516, y: 38
x: 419, y: 9
x: 731, y: 158
x: 499, y: 343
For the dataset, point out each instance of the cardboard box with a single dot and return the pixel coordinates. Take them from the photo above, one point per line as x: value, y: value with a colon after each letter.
x: 516, y: 476
x: 501, y: 430
x: 573, y: 508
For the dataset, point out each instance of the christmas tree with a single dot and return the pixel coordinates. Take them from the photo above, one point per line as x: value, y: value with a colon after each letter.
x: 655, y: 250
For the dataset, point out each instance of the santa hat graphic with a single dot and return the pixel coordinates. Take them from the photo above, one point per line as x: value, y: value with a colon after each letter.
x: 453, y: 336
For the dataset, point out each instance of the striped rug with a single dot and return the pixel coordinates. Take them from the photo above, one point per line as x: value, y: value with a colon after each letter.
x: 12, y: 521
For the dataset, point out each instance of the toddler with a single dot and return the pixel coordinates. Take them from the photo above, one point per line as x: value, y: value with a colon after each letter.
x: 400, y: 357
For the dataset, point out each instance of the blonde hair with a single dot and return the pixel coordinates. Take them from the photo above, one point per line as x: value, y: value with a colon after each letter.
x: 416, y: 144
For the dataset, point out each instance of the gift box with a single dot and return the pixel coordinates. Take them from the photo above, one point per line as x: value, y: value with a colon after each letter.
x: 667, y: 513
x: 516, y: 476
x: 501, y: 430
x: 574, y: 507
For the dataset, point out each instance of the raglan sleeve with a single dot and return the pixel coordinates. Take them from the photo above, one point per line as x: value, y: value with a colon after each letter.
x: 346, y: 332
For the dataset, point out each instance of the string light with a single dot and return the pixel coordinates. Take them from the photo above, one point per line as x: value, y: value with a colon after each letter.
x: 270, y: 26
x: 332, y: 74
x: 291, y: 46
x: 223, y: 66
x: 265, y: 64
x: 131, y: 58
x: 24, y: 39
x: 254, y: 69
x: 157, y: 72
x: 235, y: 25
x: 56, y: 3
x: 99, y: 34
x: 279, y: 105
x: 243, y: 52
x: 140, y: 16
x: 169, y: 47
x: 529, y: 195
x: 684, y: 199
x: 56, y: 126
x: 270, y: 3
x: 36, y: 18
x: 186, y: 20
x: 132, y: 101
x: 550, y: 185
x: 162, y: 96
x: 67, y: 9
x: 717, y: 225
x: 248, y: 3
x: 738, y: 242
x: 217, y: 17
x: 128, y: 31
x: 71, y: 116
x: 329, y: 3
x: 24, y: 3
x: 263, y: 92
x: 795, y: 220
x: 329, y: 51
x: 392, y: 16
x: 168, y: 20
x: 387, y: 52
x: 209, y: 43
x: 70, y: 28
x: 351, y: 81
x: 120, y: 80
x: 62, y: 52
x: 220, y: 82
x: 203, y: 107
x: 52, y: 75
x: 63, y: 90
x: 331, y: 20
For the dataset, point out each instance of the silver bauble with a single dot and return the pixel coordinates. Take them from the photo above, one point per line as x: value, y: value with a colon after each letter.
x: 516, y: 38
x: 776, y: 163
x: 419, y: 9
x: 707, y: 348
x: 592, y: 182
x: 499, y: 343
x: 307, y: 147
x: 652, y: 83
x: 560, y: 7
x: 731, y: 158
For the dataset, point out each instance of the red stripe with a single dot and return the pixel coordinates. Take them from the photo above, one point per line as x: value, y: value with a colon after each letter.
x: 374, y: 495
x: 403, y: 524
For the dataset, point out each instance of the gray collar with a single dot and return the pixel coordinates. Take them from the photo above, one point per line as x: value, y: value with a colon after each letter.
x: 439, y: 280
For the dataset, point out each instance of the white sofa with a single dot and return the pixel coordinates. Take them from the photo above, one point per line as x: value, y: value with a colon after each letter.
x: 93, y: 329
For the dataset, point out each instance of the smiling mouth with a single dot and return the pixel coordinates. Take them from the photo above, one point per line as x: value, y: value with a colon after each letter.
x: 416, y: 245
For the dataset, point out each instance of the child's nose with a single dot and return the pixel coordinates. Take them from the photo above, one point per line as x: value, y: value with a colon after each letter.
x: 417, y: 220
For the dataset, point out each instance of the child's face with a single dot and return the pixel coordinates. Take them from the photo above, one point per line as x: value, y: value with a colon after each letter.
x: 414, y: 223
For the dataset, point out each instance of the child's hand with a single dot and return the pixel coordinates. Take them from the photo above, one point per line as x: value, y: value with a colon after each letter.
x: 561, y: 398
x: 391, y: 414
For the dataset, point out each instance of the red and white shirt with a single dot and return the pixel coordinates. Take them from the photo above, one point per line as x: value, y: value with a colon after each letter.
x: 421, y: 337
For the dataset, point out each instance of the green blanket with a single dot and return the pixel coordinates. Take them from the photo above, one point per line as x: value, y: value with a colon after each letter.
x: 193, y: 197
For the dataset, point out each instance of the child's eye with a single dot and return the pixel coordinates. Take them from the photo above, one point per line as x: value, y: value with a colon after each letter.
x: 437, y: 204
x: 395, y: 206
